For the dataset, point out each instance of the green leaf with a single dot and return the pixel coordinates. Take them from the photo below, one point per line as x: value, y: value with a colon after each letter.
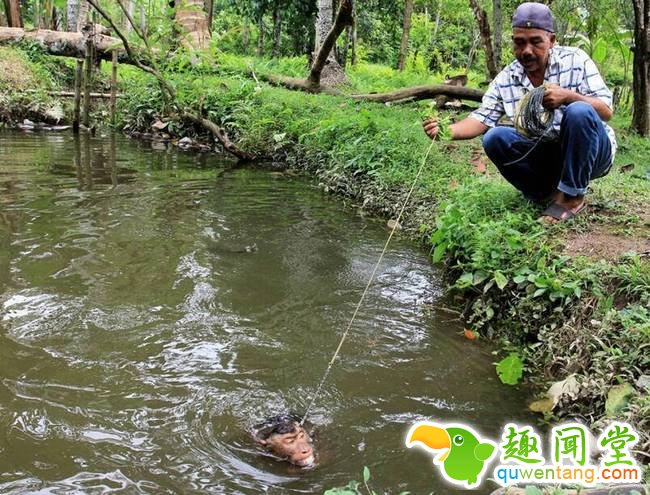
x: 519, y: 279
x: 500, y: 279
x: 465, y: 280
x: 437, y: 236
x: 439, y: 252
x: 479, y: 277
x: 618, y: 398
x: 539, y: 292
x: 510, y: 369
x: 366, y: 474
x: 599, y: 53
x: 533, y: 490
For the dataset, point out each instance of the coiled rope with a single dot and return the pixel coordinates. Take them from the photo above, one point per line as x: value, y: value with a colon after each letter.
x: 365, y: 291
x: 534, y: 121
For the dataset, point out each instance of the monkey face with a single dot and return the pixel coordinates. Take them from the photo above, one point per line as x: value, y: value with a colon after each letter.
x: 287, y: 439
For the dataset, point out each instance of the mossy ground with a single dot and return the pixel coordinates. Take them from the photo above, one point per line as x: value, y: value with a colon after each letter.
x: 563, y: 307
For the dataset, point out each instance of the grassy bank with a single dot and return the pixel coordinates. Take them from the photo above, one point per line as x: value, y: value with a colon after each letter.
x: 567, y: 301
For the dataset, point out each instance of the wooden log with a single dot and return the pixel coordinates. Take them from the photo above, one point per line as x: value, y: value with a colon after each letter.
x: 66, y: 44
x: 71, y: 94
x: 77, y: 95
x: 113, y: 87
x: 422, y: 93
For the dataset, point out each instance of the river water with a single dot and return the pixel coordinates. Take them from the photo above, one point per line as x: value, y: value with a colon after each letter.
x: 154, y: 304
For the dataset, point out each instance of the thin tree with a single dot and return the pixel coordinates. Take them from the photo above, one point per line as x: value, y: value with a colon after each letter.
x: 209, y: 10
x: 406, y: 33
x: 497, y: 22
x: 332, y: 72
x: 484, y: 28
x: 277, y: 28
x: 641, y: 64
x: 12, y: 9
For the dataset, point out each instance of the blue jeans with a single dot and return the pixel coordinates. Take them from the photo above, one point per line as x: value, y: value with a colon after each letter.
x: 582, y: 153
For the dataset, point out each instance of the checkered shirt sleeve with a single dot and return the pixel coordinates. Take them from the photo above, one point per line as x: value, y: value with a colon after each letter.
x: 592, y: 83
x: 491, y: 109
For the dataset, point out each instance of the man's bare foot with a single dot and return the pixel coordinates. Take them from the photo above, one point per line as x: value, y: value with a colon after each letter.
x: 562, y: 208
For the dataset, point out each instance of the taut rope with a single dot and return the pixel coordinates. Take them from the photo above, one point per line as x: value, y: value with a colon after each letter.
x: 365, y: 291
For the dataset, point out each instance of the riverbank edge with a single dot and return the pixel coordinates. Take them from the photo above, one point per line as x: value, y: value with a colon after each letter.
x: 496, y: 302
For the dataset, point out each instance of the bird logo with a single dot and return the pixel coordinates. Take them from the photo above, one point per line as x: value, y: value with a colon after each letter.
x: 464, y: 455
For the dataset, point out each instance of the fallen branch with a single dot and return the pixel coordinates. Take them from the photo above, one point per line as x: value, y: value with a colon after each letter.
x: 422, y: 93
x: 64, y: 44
x: 221, y: 136
x: 70, y: 94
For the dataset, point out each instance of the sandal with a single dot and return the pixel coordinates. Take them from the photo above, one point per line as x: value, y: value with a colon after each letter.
x: 560, y: 213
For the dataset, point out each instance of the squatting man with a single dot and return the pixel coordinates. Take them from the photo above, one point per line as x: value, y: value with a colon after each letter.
x: 556, y: 172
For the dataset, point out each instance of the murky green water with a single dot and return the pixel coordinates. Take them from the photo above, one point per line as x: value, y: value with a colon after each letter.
x: 139, y: 340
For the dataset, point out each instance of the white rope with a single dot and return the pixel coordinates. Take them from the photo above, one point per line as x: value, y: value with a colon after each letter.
x: 365, y: 291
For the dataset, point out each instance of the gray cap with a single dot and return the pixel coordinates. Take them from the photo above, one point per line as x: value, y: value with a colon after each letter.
x: 533, y: 15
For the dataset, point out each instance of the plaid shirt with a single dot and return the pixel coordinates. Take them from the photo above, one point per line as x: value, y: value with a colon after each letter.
x: 568, y: 68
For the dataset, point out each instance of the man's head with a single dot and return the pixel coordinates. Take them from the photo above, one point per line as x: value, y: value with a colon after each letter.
x: 286, y: 438
x: 533, y: 35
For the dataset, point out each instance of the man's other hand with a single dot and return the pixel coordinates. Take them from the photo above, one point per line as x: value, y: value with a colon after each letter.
x: 431, y: 127
x: 555, y: 97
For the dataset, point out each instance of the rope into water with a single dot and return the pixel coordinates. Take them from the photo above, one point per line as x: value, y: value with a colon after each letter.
x: 534, y: 121
x: 365, y: 291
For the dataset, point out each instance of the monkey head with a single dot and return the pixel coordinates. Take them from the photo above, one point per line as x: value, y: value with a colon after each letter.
x: 286, y: 438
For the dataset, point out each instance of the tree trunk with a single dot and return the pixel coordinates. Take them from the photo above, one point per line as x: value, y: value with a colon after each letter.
x: 325, y: 67
x: 130, y: 8
x: 260, y: 35
x: 277, y: 29
x: 353, y: 59
x: 65, y: 44
x: 37, y: 15
x: 331, y: 72
x: 472, y: 52
x: 209, y: 9
x: 484, y: 28
x: 143, y: 20
x: 245, y: 36
x: 433, y: 63
x: 192, y: 21
x: 343, y: 54
x: 12, y: 9
x: 324, y: 21
x: 497, y: 20
x: 641, y: 84
x: 57, y: 19
x: 406, y: 33
x: 77, y: 13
